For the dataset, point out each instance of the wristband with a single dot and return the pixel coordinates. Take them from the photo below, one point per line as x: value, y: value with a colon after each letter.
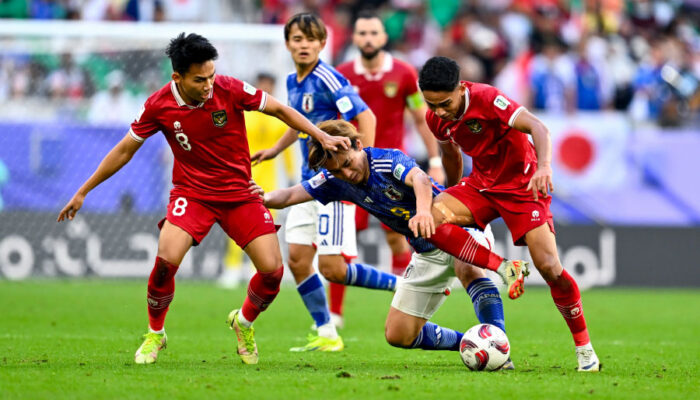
x: 435, y: 162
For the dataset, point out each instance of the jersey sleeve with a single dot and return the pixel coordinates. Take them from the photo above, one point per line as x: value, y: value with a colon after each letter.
x: 501, y: 106
x: 414, y: 98
x: 322, y: 187
x: 401, y: 165
x: 348, y: 102
x: 247, y: 96
x: 145, y: 125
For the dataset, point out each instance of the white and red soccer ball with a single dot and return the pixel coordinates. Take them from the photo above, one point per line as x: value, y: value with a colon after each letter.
x: 484, y: 347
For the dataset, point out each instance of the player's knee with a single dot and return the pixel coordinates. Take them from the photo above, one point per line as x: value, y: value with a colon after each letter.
x: 397, y: 338
x: 549, y: 267
x: 333, y: 272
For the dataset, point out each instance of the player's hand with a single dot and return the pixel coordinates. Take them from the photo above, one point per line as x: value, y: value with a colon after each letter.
x: 541, y: 182
x: 422, y: 225
x: 256, y: 190
x: 438, y: 174
x: 71, y: 208
x: 334, y: 143
x: 262, y: 155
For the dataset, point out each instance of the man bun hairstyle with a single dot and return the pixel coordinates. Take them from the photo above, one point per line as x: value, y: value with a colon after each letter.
x: 439, y: 74
x: 310, y: 24
x: 318, y: 156
x: 184, y: 51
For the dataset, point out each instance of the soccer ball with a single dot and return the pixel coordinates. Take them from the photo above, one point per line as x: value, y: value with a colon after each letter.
x: 484, y: 347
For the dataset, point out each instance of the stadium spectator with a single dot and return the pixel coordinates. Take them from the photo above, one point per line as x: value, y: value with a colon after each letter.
x: 115, y: 105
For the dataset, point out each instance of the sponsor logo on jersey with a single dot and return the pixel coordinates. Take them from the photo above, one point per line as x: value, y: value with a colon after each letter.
x: 219, y: 117
x: 392, y: 193
x: 248, y: 88
x: 535, y: 216
x: 344, y: 104
x: 501, y: 102
x: 267, y: 216
x: 391, y: 89
x: 398, y: 171
x: 177, y: 125
x: 474, y: 125
x: 307, y: 102
x: 317, y: 180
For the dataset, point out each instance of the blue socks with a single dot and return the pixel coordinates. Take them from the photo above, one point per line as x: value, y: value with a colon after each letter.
x: 487, y: 302
x: 435, y: 337
x: 369, y: 277
x: 314, y: 295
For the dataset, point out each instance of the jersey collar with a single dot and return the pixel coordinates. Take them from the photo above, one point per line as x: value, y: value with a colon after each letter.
x: 181, y: 102
x: 466, y: 101
x: 387, y: 65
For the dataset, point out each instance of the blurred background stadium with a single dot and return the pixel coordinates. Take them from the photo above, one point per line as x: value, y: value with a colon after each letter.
x: 616, y: 81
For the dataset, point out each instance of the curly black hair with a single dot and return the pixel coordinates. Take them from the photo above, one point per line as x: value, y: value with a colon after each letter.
x: 439, y: 74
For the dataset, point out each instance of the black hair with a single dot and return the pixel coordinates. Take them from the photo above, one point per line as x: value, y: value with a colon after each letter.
x: 184, y: 51
x: 439, y: 74
x: 310, y: 24
x: 265, y: 75
x: 368, y: 14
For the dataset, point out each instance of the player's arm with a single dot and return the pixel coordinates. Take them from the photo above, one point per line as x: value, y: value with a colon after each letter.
x: 434, y: 163
x: 541, y: 181
x: 452, y: 161
x: 422, y: 224
x: 296, y: 121
x: 282, y: 198
x: 111, y: 163
x: 367, y: 127
x: 290, y: 136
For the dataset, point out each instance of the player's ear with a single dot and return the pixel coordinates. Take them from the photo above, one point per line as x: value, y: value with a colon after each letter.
x: 323, y: 43
x: 176, y: 77
x: 358, y: 144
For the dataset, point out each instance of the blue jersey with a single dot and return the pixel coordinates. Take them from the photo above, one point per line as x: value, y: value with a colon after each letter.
x: 385, y: 195
x: 322, y: 95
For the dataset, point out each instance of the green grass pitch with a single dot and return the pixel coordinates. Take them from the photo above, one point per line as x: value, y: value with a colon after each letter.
x: 76, y: 339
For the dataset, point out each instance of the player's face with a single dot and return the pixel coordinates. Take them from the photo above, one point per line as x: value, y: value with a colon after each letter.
x: 350, y: 166
x: 369, y: 37
x: 446, y: 105
x: 196, y: 84
x: 304, y: 50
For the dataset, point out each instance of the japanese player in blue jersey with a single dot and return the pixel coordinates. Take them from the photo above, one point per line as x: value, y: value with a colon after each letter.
x: 320, y: 93
x: 389, y: 185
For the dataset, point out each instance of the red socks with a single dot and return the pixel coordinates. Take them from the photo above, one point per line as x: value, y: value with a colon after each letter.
x: 336, y: 294
x: 161, y: 289
x: 567, y: 298
x: 459, y: 243
x: 262, y: 289
x: 399, y: 262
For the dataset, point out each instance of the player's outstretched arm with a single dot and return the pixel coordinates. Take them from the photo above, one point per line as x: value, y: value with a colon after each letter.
x: 422, y: 224
x: 367, y: 126
x: 282, y: 198
x: 113, y: 162
x: 295, y: 120
x: 435, y: 164
x: 452, y: 161
x: 541, y: 181
x: 289, y: 137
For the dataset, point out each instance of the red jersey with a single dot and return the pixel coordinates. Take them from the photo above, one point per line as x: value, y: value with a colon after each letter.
x: 387, y: 94
x: 502, y: 157
x: 209, y: 143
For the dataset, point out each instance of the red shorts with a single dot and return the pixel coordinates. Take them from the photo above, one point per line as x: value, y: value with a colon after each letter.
x: 362, y: 220
x: 242, y: 222
x: 520, y: 211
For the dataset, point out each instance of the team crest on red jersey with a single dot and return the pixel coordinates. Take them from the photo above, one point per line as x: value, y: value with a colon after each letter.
x: 219, y: 118
x: 474, y: 125
x: 307, y: 102
x: 391, y: 89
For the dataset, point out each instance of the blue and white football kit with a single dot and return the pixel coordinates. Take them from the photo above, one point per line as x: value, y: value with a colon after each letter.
x: 431, y: 271
x: 324, y: 94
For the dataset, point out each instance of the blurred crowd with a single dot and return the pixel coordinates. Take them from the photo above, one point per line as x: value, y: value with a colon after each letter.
x: 642, y: 57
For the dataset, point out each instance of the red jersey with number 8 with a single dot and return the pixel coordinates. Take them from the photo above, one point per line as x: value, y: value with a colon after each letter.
x: 209, y: 141
x: 503, y: 158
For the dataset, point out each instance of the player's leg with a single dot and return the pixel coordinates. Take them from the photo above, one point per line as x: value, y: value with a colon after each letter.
x: 461, y: 245
x: 301, y: 234
x: 565, y: 293
x: 335, y: 268
x: 251, y: 225
x: 411, y: 332
x: 400, y: 251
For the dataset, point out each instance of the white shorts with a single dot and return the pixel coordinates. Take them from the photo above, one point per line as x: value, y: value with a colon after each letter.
x: 428, y: 278
x: 330, y: 228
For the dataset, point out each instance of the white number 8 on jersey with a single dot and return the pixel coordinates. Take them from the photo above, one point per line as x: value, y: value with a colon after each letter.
x: 183, y: 140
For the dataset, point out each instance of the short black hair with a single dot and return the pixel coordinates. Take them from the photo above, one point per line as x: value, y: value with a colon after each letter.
x: 368, y: 14
x: 439, y: 74
x: 264, y: 75
x: 184, y: 51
